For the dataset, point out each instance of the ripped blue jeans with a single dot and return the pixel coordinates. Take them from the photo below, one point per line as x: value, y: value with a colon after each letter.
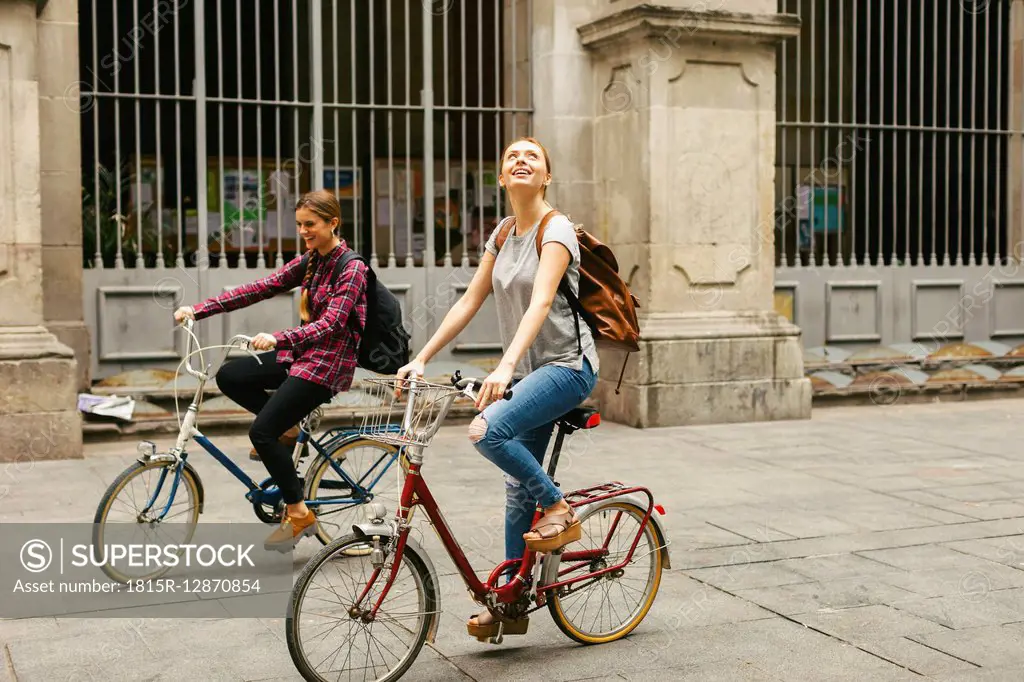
x: 516, y: 438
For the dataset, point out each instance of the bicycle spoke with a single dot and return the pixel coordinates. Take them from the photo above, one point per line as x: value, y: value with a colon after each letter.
x: 366, y: 660
x: 610, y: 602
x: 363, y: 649
x: 330, y: 629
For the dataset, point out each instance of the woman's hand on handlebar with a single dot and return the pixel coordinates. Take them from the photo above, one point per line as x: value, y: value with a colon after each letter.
x: 264, y: 341
x: 185, y: 312
x: 494, y: 386
x: 414, y: 368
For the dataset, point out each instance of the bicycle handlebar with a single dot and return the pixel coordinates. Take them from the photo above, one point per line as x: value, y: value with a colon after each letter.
x: 461, y: 384
x: 241, y: 340
x: 188, y: 323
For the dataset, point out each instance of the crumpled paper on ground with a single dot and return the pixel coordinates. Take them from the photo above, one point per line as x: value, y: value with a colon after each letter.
x: 107, y: 405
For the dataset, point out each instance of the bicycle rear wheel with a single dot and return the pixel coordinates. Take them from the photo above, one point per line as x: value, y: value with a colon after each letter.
x: 608, y: 607
x: 327, y: 636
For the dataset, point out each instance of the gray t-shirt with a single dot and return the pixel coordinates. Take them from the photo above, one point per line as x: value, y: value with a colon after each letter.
x: 515, y: 269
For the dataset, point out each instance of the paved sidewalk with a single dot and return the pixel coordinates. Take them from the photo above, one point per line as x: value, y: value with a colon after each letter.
x: 881, y: 543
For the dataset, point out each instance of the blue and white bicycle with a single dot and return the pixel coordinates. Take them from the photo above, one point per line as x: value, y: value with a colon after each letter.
x: 345, y: 472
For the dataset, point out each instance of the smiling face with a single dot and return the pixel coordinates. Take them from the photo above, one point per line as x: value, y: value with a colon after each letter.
x: 525, y: 167
x: 316, y: 233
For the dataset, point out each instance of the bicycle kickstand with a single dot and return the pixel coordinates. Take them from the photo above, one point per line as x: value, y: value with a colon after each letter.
x: 498, y: 639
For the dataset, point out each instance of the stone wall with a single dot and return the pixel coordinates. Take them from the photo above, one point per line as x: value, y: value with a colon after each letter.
x: 38, y: 415
x: 61, y: 179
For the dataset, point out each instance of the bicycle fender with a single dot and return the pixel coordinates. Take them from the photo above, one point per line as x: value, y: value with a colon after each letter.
x: 199, y: 484
x: 339, y: 437
x: 550, y: 570
x: 332, y: 440
x: 369, y: 529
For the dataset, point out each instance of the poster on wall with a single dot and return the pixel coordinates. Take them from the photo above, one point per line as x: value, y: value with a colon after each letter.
x: 251, y: 200
x: 470, y: 196
x: 489, y: 187
x: 803, y: 215
x: 344, y: 181
x: 244, y: 208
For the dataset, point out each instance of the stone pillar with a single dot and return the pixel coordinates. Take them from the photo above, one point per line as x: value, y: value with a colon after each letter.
x: 60, y: 121
x: 564, y: 102
x: 1015, y: 146
x: 38, y: 414
x: 684, y: 152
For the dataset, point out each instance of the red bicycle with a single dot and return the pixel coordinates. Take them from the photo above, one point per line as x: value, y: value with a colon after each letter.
x: 367, y: 602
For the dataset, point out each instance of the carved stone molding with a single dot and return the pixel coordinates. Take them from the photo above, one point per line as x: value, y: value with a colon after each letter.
x: 646, y: 21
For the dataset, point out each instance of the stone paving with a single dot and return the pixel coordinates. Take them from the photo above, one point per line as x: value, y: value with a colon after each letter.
x: 882, y: 543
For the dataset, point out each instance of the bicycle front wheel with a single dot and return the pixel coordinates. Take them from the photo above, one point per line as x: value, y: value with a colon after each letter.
x: 608, y: 607
x: 149, y: 502
x: 327, y: 633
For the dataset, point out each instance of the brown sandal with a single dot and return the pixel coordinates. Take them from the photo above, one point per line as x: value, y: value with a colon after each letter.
x: 484, y: 626
x: 566, y: 527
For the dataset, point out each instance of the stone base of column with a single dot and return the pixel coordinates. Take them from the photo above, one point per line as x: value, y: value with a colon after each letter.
x: 707, y: 368
x: 75, y: 335
x: 39, y: 418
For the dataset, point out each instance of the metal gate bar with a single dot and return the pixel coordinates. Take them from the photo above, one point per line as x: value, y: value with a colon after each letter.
x: 900, y: 155
x: 179, y: 195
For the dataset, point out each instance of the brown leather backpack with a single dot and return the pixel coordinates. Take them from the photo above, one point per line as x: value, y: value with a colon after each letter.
x: 605, y: 302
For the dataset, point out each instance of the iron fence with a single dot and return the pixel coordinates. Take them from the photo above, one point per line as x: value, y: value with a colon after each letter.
x: 895, y: 127
x: 202, y: 120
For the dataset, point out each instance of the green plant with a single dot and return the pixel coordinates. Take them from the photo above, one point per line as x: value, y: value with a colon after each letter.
x: 99, y: 208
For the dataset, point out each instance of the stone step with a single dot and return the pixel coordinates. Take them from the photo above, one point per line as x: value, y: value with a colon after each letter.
x: 879, y: 376
x: 222, y: 422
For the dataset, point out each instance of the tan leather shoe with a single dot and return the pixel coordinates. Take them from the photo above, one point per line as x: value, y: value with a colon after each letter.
x: 291, y: 530
x: 483, y: 626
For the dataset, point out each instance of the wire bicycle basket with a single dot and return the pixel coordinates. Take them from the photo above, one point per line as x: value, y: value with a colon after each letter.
x: 405, y: 412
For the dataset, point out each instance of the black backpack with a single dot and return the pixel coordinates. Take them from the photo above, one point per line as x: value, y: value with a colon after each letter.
x: 384, y: 347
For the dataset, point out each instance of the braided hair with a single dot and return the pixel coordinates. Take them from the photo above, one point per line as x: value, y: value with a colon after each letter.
x: 325, y: 205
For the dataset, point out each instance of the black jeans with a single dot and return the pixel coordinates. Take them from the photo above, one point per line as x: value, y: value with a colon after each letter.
x: 247, y: 382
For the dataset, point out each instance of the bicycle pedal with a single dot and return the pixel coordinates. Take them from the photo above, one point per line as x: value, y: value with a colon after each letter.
x: 488, y: 639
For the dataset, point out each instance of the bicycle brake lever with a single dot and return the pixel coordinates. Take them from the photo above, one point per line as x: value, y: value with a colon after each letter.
x: 245, y: 344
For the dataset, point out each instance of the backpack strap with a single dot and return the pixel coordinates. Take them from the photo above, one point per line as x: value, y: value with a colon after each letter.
x: 349, y: 256
x: 543, y: 225
x: 509, y: 223
x: 340, y: 265
x: 563, y: 284
x: 371, y: 279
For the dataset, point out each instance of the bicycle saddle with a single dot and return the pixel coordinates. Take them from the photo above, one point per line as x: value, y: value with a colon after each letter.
x: 580, y: 418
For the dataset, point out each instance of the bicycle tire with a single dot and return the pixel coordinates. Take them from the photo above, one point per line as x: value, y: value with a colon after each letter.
x: 340, y: 549
x: 654, y: 541
x: 189, y: 478
x: 314, y: 477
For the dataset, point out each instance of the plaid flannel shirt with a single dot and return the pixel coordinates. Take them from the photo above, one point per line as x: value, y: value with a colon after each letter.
x: 323, y: 350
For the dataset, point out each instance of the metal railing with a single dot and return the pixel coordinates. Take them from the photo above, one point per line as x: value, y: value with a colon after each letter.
x: 204, y: 120
x: 895, y: 124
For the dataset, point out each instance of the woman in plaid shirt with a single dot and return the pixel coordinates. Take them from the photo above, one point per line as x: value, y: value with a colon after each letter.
x: 304, y: 366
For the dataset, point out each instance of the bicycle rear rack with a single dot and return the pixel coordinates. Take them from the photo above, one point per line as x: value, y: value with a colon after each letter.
x: 585, y: 496
x: 577, y: 498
